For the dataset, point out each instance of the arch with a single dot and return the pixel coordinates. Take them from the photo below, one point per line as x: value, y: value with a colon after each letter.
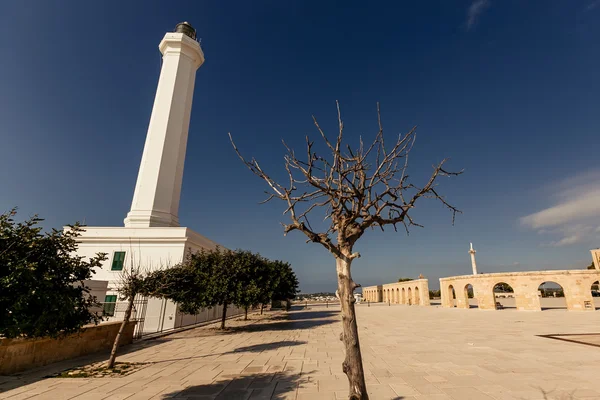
x: 417, y: 296
x: 451, y: 296
x: 470, y: 298
x: 596, y: 294
x: 403, y: 296
x: 552, y: 296
x: 504, y: 296
x: 409, y: 297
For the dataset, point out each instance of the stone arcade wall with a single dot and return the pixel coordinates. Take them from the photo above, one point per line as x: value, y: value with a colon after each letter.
x: 576, y: 285
x: 409, y: 292
x: 21, y: 354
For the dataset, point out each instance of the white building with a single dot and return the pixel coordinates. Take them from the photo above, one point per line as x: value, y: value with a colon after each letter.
x: 152, y: 237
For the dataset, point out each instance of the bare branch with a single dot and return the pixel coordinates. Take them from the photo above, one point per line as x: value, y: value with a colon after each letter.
x: 354, y: 193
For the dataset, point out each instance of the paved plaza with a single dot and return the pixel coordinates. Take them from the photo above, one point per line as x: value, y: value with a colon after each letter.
x: 410, y: 353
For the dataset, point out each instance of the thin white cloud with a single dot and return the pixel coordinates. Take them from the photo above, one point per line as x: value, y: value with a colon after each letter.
x: 575, y: 215
x: 475, y: 10
x: 579, y: 207
x: 567, y: 241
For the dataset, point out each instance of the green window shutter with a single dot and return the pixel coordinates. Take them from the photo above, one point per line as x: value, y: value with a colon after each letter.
x: 118, y: 261
x: 110, y: 301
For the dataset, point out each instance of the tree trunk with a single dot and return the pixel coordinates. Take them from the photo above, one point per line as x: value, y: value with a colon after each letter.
x: 246, y: 314
x: 262, y: 307
x: 352, y: 365
x: 113, y: 353
x: 224, y: 316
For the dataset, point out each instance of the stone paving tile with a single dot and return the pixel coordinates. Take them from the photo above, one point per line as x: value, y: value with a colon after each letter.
x: 413, y: 353
x: 466, y: 393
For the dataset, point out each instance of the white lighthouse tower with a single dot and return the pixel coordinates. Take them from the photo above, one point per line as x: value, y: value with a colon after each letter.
x: 152, y: 237
x: 156, y: 197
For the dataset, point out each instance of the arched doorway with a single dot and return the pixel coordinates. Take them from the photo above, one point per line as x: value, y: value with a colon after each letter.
x: 395, y: 294
x: 451, y: 296
x: 403, y: 296
x: 470, y: 296
x: 398, y: 295
x: 417, y: 297
x: 409, y: 292
x: 596, y: 294
x: 552, y: 296
x: 504, y: 296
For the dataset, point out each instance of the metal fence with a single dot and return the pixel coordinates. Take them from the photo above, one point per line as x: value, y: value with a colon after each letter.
x: 165, y: 315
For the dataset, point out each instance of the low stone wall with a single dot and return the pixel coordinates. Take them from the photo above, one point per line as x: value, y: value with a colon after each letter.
x: 408, y: 292
x: 18, y: 355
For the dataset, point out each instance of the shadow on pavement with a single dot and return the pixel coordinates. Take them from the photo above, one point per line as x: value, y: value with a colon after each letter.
x: 293, y: 320
x: 290, y: 321
x: 11, y: 382
x: 257, y: 348
x: 277, y: 385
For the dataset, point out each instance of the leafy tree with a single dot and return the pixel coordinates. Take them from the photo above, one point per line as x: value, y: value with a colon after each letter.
x: 206, y: 279
x: 503, y: 288
x: 591, y: 266
x: 285, y: 285
x: 355, y: 189
x: 220, y: 277
x: 42, y: 291
x: 434, y: 293
x: 267, y: 280
x: 252, y: 280
x: 404, y: 279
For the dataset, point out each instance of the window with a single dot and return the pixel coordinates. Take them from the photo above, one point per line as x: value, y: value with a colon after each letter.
x: 110, y: 301
x: 118, y: 260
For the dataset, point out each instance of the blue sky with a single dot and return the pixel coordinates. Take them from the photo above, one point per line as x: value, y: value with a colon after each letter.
x: 507, y: 89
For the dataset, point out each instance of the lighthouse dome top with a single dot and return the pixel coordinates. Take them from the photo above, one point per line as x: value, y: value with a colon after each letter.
x: 186, y: 29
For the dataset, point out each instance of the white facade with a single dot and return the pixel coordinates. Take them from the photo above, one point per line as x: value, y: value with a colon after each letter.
x: 152, y: 238
x: 149, y: 248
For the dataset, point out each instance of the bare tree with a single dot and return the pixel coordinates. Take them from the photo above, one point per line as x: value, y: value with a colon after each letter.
x: 357, y: 189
